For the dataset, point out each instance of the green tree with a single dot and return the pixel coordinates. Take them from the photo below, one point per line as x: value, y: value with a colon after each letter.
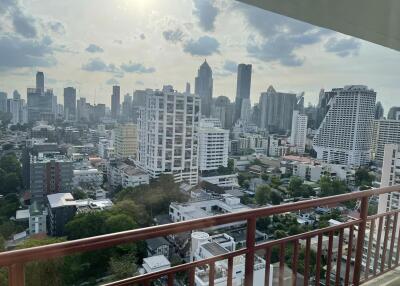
x: 79, y: 194
x: 47, y: 272
x: 122, y: 267
x: 10, y: 164
x: 280, y: 234
x: 294, y: 186
x: 363, y: 177
x: 12, y: 182
x: 263, y: 194
x: 275, y: 197
x: 331, y: 187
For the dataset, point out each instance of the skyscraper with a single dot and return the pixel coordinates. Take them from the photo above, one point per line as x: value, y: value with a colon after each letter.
x: 323, y: 105
x: 277, y: 110
x: 223, y: 109
x: 385, y: 132
x: 203, y: 87
x: 70, y: 103
x: 126, y: 141
x: 40, y: 81
x: 3, y: 101
x: 394, y: 113
x: 242, y: 88
x: 299, y: 131
x: 379, y: 111
x: 127, y: 107
x: 390, y: 177
x: 345, y: 134
x: 115, y: 102
x: 167, y: 132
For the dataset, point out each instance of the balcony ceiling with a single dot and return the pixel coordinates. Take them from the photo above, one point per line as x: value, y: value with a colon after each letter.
x: 376, y: 21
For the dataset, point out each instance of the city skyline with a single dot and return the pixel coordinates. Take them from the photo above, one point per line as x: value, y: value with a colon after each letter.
x: 285, y: 53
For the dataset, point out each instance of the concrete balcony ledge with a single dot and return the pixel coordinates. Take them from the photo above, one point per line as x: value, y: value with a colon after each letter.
x: 391, y: 278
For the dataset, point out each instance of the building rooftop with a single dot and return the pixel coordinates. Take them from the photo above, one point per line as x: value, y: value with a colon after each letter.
x: 61, y: 200
x: 156, y: 261
x: 214, y: 248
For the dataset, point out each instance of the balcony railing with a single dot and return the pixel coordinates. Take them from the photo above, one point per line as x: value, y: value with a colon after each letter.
x: 366, y: 257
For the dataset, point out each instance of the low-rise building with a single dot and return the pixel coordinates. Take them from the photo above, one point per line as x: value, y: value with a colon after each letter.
x: 204, y: 246
x: 155, y: 263
x: 87, y: 177
x: 158, y: 246
x: 223, y: 181
x: 207, y: 208
x: 122, y: 174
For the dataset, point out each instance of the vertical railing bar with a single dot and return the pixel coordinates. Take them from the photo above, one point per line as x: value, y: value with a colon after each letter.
x: 370, y: 243
x: 329, y: 260
x: 211, y: 274
x: 171, y: 279
x: 230, y: 271
x: 250, y: 243
x: 192, y: 273
x: 392, y: 239
x: 319, y: 254
x: 339, y: 257
x: 282, y: 263
x: 307, y: 261
x: 348, y: 259
x: 383, y: 258
x: 294, y: 261
x: 267, y: 265
x: 16, y: 275
x: 377, y: 246
x: 360, y: 241
x: 398, y: 248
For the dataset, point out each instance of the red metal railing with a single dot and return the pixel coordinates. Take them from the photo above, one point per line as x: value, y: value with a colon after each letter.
x: 385, y: 257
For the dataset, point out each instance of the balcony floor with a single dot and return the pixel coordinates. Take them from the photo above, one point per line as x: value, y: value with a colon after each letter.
x: 391, y: 278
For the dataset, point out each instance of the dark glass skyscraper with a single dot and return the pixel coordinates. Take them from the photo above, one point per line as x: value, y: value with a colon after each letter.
x: 204, y: 88
x: 69, y: 103
x: 40, y: 81
x: 242, y: 88
x: 115, y: 102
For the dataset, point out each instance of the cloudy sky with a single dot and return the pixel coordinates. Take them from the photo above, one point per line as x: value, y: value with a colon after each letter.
x: 138, y: 44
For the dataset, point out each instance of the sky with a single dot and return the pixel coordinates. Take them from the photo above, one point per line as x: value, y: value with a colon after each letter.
x: 138, y: 44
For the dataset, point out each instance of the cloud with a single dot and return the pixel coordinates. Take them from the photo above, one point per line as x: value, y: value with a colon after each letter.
x: 230, y: 66
x: 136, y: 68
x: 16, y: 52
x: 98, y: 65
x: 173, y: 36
x: 57, y: 27
x: 203, y: 46
x: 206, y: 12
x: 22, y: 23
x: 112, y: 81
x: 277, y: 37
x: 343, y: 47
x: 92, y: 48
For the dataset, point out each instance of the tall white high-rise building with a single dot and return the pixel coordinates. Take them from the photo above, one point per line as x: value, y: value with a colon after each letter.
x: 385, y: 132
x: 167, y: 131
x: 345, y: 134
x: 213, y: 146
x: 390, y: 177
x: 299, y: 131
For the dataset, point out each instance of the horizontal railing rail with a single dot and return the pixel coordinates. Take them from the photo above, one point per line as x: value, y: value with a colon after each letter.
x: 16, y: 259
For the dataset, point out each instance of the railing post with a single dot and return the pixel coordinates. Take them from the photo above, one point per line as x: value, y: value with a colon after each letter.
x: 360, y: 241
x: 250, y: 243
x: 16, y: 275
